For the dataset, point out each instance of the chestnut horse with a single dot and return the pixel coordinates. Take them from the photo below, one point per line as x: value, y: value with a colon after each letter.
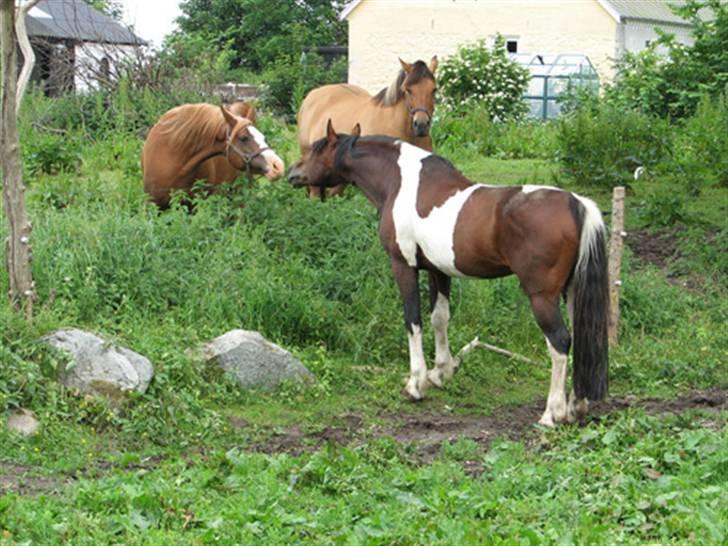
x: 403, y: 109
x: 178, y: 147
x: 433, y: 218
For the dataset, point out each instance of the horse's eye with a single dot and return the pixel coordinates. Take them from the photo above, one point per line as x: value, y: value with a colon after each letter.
x: 244, y: 139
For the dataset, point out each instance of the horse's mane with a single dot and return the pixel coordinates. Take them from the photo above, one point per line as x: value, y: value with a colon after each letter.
x: 191, y: 125
x: 391, y: 95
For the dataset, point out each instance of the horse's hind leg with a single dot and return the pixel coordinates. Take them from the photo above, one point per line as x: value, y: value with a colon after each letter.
x: 445, y: 364
x: 577, y: 408
x: 548, y: 315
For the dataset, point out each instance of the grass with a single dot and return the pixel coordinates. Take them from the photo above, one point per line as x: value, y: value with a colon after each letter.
x: 176, y: 466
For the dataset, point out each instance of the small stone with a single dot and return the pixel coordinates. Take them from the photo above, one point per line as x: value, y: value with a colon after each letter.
x: 23, y: 422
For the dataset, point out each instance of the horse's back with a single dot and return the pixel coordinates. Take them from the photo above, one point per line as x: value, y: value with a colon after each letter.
x: 343, y: 103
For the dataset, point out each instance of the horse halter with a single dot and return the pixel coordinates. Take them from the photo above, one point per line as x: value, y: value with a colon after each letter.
x: 247, y: 159
x: 413, y: 111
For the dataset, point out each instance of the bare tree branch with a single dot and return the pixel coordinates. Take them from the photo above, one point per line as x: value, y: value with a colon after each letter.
x: 26, y: 49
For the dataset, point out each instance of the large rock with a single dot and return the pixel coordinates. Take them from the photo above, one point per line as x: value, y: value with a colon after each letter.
x: 254, y: 361
x: 100, y: 367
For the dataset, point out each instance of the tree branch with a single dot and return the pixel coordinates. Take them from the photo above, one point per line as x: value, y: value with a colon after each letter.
x: 26, y: 49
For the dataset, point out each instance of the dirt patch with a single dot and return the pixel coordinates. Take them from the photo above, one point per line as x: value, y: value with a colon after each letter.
x: 18, y: 478
x: 427, y: 431
x: 653, y: 248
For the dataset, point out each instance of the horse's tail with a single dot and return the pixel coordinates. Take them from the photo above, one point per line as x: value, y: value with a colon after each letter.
x: 590, y: 292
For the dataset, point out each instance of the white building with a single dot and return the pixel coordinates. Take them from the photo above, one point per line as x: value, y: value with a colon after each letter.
x: 76, y: 46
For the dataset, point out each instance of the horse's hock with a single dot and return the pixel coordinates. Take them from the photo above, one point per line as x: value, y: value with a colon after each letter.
x: 253, y: 361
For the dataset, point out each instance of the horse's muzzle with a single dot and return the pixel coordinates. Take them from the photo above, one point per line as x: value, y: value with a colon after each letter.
x: 296, y: 179
x: 421, y: 127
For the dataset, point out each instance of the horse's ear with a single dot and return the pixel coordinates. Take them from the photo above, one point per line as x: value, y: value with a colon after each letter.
x: 230, y: 119
x: 407, y: 67
x: 251, y: 112
x: 433, y: 64
x: 356, y: 131
x: 330, y: 133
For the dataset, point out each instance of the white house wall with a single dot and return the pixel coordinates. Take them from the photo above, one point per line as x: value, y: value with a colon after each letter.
x: 638, y: 34
x: 380, y: 31
x: 88, y: 57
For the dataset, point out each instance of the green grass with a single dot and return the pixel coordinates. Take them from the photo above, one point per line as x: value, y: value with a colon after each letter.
x: 172, y: 467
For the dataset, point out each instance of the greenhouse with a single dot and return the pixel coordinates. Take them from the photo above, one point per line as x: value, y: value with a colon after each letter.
x: 551, y: 77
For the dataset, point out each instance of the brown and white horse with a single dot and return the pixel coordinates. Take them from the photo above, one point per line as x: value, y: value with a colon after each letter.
x: 433, y: 218
x: 403, y: 110
x: 180, y: 144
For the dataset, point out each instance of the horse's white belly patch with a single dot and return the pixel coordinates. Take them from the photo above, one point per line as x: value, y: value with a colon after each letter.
x: 434, y: 233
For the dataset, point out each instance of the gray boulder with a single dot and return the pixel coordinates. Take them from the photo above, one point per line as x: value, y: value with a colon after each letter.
x: 254, y: 361
x: 99, y: 367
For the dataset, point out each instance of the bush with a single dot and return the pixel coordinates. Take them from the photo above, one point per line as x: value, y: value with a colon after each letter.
x: 601, y: 145
x: 480, y: 77
x: 456, y: 132
x: 288, y: 80
x: 673, y: 85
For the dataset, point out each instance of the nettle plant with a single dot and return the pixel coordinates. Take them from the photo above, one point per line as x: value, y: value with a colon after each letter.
x: 485, y: 78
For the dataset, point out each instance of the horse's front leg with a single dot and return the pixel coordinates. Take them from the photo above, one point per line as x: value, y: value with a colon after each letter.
x: 445, y: 364
x: 406, y: 278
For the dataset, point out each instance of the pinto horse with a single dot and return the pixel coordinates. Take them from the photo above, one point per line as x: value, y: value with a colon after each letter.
x: 179, y: 147
x: 433, y: 218
x: 403, y: 109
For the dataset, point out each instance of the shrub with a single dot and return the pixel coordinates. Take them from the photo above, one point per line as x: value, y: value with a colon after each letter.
x: 673, y: 85
x: 288, y: 80
x: 457, y: 132
x: 478, y: 76
x: 601, y: 145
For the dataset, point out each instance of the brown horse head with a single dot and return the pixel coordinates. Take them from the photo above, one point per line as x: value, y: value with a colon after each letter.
x: 418, y: 88
x: 317, y: 166
x: 246, y: 149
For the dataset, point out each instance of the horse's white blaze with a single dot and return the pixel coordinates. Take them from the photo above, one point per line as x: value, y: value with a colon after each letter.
x: 556, y: 409
x: 272, y: 158
x: 433, y: 233
x: 417, y: 382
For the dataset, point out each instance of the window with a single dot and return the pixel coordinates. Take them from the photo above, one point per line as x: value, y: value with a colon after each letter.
x: 512, y: 46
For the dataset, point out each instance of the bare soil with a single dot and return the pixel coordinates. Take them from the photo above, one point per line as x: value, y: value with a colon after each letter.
x: 423, y: 432
x: 653, y: 248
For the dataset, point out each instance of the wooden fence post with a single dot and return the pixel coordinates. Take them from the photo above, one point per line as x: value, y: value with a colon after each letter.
x: 615, y: 262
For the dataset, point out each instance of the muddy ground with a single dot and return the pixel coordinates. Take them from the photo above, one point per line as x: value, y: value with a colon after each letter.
x: 424, y: 432
x: 427, y: 431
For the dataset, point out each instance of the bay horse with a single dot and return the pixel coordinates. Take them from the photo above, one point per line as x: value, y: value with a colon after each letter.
x: 433, y: 218
x: 403, y: 110
x: 178, y: 147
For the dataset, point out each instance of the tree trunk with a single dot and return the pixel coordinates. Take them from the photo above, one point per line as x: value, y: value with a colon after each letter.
x: 18, y: 251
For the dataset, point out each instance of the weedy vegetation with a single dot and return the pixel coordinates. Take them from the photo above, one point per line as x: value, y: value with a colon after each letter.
x: 196, y: 461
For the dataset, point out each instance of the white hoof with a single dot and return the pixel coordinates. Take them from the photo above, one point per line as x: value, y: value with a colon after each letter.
x: 577, y: 409
x: 546, y: 419
x: 436, y: 377
x: 415, y: 388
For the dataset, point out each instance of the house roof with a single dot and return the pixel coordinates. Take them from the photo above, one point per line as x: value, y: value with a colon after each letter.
x: 76, y: 20
x: 642, y: 10
x: 657, y: 11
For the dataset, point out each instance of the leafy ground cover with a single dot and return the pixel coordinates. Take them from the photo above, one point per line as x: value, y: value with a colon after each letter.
x: 348, y: 460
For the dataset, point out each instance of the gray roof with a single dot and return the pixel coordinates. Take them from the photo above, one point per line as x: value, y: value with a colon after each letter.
x: 76, y: 20
x: 649, y: 10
